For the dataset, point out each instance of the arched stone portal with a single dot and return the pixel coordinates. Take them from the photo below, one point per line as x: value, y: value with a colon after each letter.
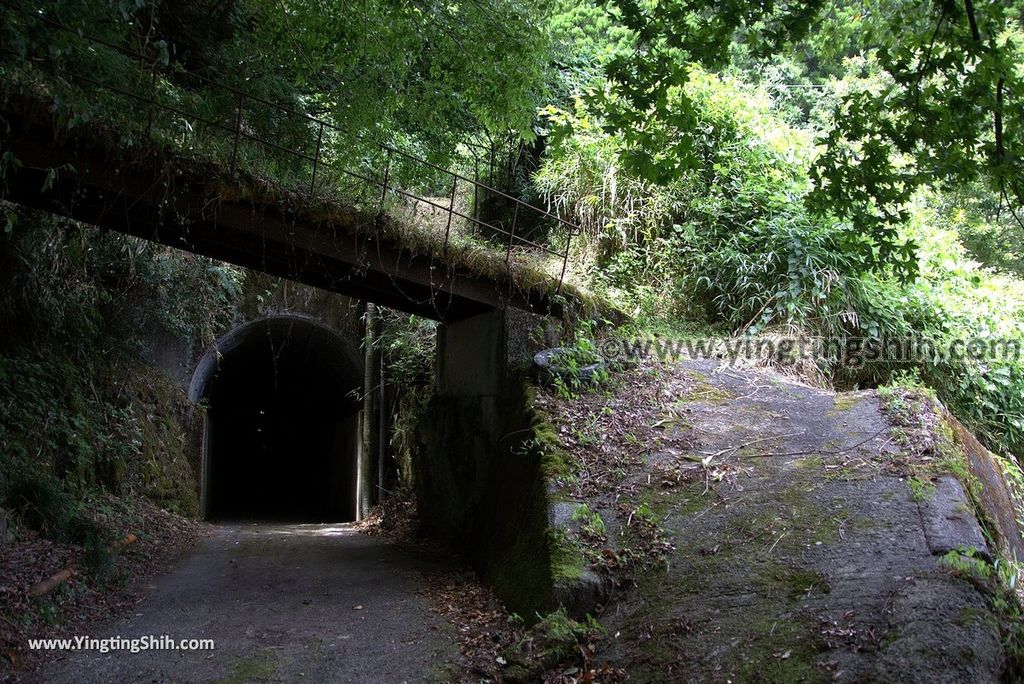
x: 282, y: 430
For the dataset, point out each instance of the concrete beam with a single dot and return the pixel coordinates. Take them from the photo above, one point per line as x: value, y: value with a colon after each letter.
x: 185, y: 204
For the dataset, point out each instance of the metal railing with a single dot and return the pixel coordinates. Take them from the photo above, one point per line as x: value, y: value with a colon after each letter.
x: 248, y: 102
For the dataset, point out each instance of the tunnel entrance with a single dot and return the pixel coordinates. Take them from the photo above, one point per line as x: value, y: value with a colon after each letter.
x: 282, y: 435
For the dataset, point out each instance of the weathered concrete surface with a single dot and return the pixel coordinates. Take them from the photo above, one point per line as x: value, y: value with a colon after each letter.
x: 803, y: 554
x: 262, y: 298
x: 479, y: 481
x: 285, y: 603
x: 237, y: 217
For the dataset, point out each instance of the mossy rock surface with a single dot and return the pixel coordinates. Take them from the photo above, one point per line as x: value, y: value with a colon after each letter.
x: 799, y: 551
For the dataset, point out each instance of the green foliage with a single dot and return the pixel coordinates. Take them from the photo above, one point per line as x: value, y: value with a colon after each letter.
x: 645, y: 515
x: 906, y: 379
x: 424, y: 77
x: 431, y: 71
x: 731, y: 241
x: 80, y: 414
x: 920, y: 489
x: 408, y: 344
x: 945, y: 109
x: 646, y: 100
x: 729, y: 238
x: 953, y: 300
x: 75, y: 284
x: 990, y: 233
x: 555, y: 639
x: 585, y: 37
x: 86, y: 444
x: 409, y: 409
x: 591, y: 521
x: 578, y: 366
x: 1000, y: 579
x: 45, y: 504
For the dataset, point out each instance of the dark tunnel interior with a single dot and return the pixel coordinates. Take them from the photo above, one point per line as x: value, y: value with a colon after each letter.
x: 282, y: 431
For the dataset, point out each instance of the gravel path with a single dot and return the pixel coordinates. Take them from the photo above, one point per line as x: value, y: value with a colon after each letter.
x: 284, y: 603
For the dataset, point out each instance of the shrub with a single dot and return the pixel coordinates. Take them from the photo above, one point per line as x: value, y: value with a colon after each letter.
x: 731, y: 241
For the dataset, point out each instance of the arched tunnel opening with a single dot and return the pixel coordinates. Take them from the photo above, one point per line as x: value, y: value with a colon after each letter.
x: 282, y: 431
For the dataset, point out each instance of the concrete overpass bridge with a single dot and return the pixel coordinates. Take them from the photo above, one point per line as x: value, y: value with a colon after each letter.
x: 331, y: 224
x: 236, y: 217
x: 480, y: 485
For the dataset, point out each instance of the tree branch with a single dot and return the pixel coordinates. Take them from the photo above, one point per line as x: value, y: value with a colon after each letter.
x: 927, y: 58
x: 997, y: 121
x: 972, y: 20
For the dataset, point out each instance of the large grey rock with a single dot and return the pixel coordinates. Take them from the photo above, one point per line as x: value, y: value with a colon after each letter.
x: 583, y: 595
x: 949, y: 521
x: 560, y: 513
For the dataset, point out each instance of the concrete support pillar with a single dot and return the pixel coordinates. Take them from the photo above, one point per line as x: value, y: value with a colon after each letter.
x: 471, y: 356
x: 477, y: 404
x: 480, y: 484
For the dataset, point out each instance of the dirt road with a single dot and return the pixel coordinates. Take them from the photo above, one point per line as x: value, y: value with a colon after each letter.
x: 283, y: 603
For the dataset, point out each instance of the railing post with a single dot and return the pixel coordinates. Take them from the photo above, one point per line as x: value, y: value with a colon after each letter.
x: 451, y: 210
x: 476, y: 189
x: 511, y: 160
x: 490, y: 175
x: 565, y: 262
x: 387, y: 176
x: 238, y: 129
x: 316, y: 158
x: 512, y: 233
